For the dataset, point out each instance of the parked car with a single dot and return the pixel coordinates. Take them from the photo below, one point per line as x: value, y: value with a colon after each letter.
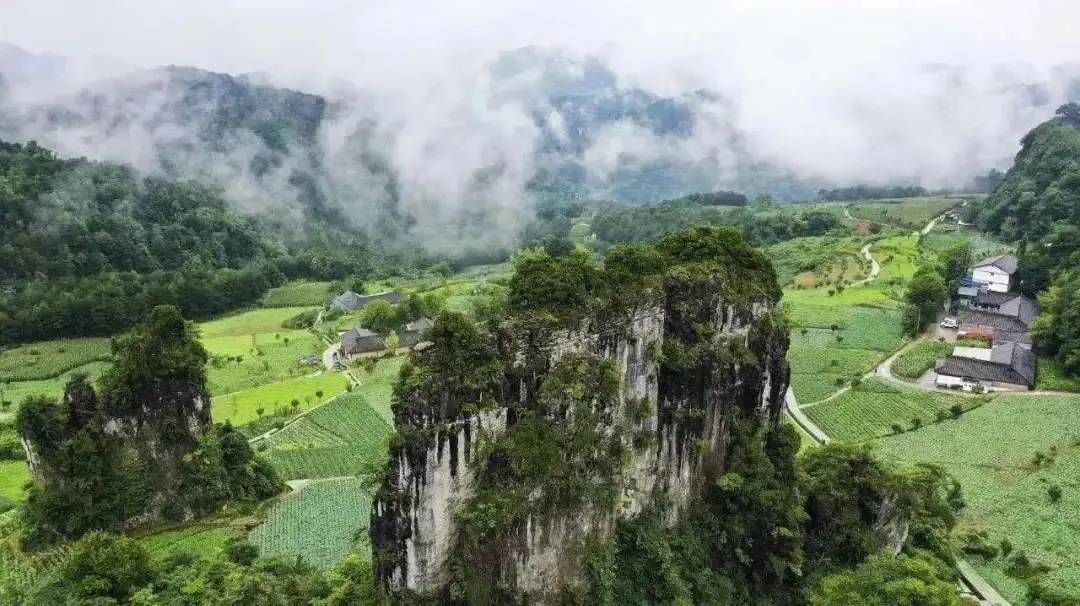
x: 950, y: 322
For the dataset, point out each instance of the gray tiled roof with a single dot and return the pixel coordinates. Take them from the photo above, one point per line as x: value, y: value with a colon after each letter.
x: 993, y: 298
x: 360, y: 340
x: 996, y: 321
x: 349, y: 300
x: 1006, y: 263
x: 1008, y: 363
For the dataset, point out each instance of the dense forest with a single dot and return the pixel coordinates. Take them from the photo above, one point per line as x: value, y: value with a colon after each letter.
x: 627, y: 225
x: 1038, y: 205
x: 872, y: 192
x: 89, y: 248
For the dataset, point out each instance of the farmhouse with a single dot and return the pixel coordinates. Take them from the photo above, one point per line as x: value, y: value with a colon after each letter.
x: 349, y: 300
x: 360, y: 341
x: 1003, y: 321
x: 995, y: 273
x: 1008, y: 366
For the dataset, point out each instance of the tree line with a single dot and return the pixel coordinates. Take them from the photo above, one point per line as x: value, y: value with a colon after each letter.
x: 1038, y: 206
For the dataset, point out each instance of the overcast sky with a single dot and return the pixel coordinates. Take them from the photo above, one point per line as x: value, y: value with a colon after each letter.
x: 394, y: 40
x: 835, y: 88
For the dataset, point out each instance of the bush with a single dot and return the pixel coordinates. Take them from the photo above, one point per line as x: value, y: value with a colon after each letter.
x: 1054, y: 492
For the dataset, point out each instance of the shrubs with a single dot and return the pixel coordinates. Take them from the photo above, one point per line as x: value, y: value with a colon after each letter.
x: 301, y: 321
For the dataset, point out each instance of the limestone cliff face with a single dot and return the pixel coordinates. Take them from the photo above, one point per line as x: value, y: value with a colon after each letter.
x: 673, y: 412
x: 148, y: 442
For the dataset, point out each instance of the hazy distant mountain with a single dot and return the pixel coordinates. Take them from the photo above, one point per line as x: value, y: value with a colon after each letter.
x: 585, y: 132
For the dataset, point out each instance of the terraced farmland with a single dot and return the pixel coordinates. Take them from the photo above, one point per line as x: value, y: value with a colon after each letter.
x: 991, y: 451
x: 343, y: 437
x: 874, y: 407
x: 341, y: 508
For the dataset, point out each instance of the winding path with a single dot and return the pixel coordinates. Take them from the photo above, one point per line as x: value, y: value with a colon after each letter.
x: 971, y: 579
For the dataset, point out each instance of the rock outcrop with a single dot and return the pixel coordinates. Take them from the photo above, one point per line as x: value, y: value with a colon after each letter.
x: 689, y: 357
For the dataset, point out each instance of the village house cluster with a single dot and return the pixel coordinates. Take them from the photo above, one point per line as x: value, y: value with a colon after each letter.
x: 358, y: 341
x: 988, y: 310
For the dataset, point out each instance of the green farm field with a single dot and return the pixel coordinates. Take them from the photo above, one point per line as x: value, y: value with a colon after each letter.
x: 52, y: 388
x: 49, y: 359
x: 912, y: 213
x: 871, y: 409
x: 295, y: 294
x: 377, y: 386
x: 241, y: 407
x: 13, y: 476
x: 991, y: 450
x: 340, y: 438
x: 819, y: 256
x: 198, y: 539
x: 275, y: 356
x: 253, y: 322
x: 822, y: 359
x: 342, y: 508
x: 915, y: 361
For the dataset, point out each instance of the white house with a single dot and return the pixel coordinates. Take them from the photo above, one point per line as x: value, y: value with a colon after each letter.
x: 996, y: 272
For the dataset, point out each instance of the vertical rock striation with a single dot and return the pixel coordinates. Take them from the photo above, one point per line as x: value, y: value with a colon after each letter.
x: 688, y: 357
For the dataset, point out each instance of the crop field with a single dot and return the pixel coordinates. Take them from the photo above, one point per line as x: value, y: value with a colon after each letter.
x: 343, y: 437
x: 981, y: 245
x: 275, y: 355
x: 13, y: 475
x: 199, y: 539
x: 871, y: 409
x: 295, y: 294
x: 817, y: 256
x: 991, y: 451
x: 342, y: 508
x: 821, y: 356
x: 48, y: 359
x: 54, y: 387
x: 898, y: 256
x: 913, y: 213
x: 377, y: 386
x: 914, y: 362
x: 241, y: 407
x: 247, y: 323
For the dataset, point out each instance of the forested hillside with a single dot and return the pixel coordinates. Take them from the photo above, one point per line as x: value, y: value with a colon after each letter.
x: 88, y: 248
x: 1038, y: 205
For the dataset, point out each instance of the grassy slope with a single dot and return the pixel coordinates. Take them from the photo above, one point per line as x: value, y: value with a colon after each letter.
x: 251, y: 322
x: 13, y: 475
x: 990, y: 451
x: 299, y: 293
